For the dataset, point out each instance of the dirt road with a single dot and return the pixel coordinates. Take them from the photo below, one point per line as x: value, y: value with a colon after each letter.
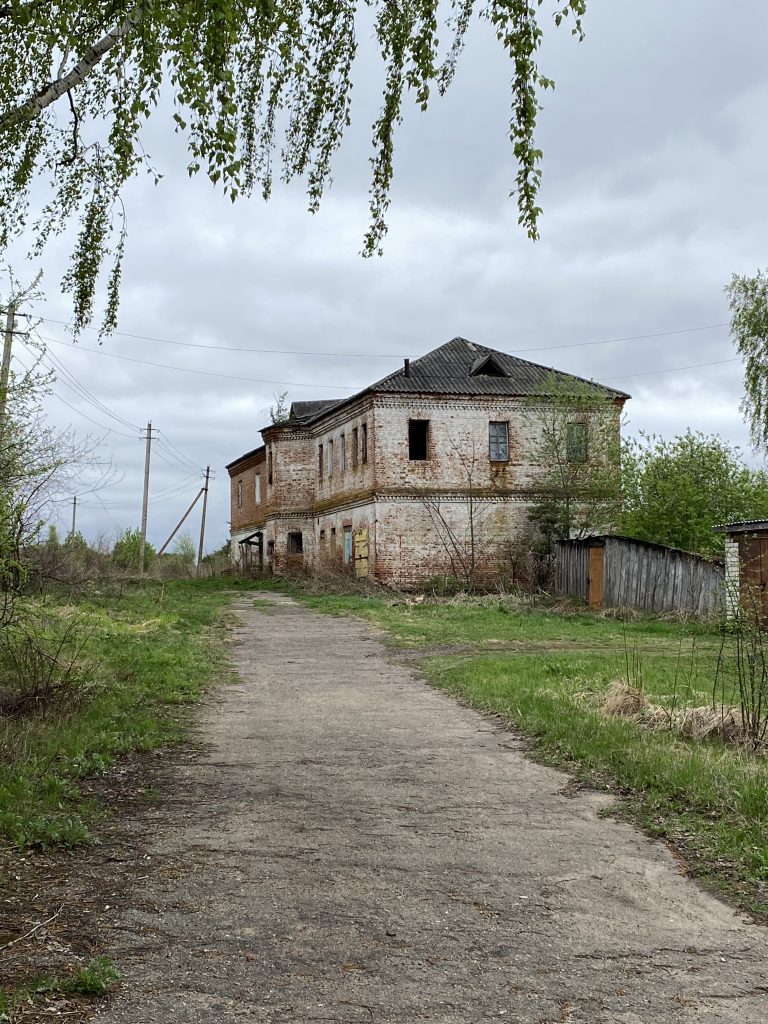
x: 352, y: 846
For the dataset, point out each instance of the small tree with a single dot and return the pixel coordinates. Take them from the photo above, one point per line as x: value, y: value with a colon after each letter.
x: 280, y: 412
x: 576, y: 430
x: 125, y: 553
x: 37, y: 464
x: 184, y: 549
x: 460, y: 530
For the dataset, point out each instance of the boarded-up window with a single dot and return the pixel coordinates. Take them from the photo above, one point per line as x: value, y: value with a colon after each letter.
x: 355, y: 443
x: 498, y: 441
x: 577, y: 442
x: 418, y: 440
x: 257, y: 488
x: 342, y: 452
x: 347, y: 544
x: 364, y: 443
x: 295, y: 543
x: 330, y: 458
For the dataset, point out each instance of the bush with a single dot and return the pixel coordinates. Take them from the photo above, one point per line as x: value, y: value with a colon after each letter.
x: 125, y: 553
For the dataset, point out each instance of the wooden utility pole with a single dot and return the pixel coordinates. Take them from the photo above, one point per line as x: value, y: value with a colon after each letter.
x: 5, y: 369
x: 202, y: 521
x: 145, y: 503
x: 74, y: 515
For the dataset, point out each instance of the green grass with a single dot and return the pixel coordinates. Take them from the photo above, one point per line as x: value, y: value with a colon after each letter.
x: 708, y: 799
x: 148, y: 649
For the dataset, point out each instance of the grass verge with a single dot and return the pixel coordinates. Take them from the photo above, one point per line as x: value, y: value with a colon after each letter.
x: 546, y: 673
x: 143, y: 651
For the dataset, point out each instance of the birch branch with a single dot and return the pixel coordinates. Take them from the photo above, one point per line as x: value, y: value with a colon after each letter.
x: 35, y: 105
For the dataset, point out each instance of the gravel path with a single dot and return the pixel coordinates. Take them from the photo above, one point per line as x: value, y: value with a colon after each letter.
x: 353, y: 846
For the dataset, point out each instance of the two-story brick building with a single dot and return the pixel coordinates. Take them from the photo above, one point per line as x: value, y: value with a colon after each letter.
x: 431, y: 465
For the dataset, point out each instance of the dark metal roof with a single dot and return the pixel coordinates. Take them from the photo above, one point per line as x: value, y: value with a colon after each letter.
x: 456, y: 368
x: 598, y: 539
x: 306, y: 410
x: 449, y: 370
x: 247, y: 455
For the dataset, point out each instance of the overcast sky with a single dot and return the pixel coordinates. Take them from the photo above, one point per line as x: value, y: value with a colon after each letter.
x: 655, y: 167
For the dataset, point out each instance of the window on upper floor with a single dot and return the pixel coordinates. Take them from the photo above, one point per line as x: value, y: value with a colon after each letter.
x: 342, y: 453
x: 330, y: 458
x: 320, y: 462
x: 355, y: 443
x: 364, y: 443
x: 257, y: 488
x: 269, y: 466
x: 576, y: 442
x: 418, y: 440
x: 239, y: 493
x: 498, y: 441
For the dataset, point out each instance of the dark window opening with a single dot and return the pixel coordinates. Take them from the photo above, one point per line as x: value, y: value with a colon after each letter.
x: 330, y: 458
x: 239, y: 493
x: 498, y: 441
x: 295, y: 544
x: 320, y: 461
x: 342, y: 452
x: 486, y: 366
x: 364, y: 443
x: 269, y: 467
x: 577, y: 442
x: 354, y: 447
x: 418, y: 440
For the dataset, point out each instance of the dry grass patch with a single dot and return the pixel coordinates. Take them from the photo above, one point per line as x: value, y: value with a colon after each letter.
x: 704, y: 722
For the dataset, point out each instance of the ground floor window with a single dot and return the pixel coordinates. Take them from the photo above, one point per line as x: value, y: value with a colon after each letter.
x: 295, y: 543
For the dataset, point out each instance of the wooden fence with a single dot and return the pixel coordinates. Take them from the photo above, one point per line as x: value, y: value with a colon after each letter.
x: 614, y: 571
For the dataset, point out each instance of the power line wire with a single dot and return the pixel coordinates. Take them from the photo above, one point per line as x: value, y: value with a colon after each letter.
x: 674, y: 369
x: 389, y: 355
x: 88, y: 395
x: 207, y: 373
x: 346, y: 387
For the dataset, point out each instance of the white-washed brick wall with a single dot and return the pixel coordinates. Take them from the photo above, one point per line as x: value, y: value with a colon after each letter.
x: 732, y: 577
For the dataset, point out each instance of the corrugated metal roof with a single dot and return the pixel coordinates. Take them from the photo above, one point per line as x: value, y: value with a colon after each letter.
x: 246, y: 455
x: 744, y: 526
x: 456, y: 369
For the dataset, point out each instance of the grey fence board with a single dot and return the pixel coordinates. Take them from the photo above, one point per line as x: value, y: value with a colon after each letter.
x: 641, y: 575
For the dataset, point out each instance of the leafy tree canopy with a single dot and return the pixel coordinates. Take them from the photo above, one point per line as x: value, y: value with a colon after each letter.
x: 676, y: 491
x: 79, y: 78
x: 749, y: 328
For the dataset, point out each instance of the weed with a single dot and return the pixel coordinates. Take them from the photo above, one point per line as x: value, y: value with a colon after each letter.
x: 94, y: 980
